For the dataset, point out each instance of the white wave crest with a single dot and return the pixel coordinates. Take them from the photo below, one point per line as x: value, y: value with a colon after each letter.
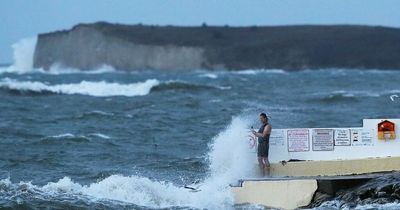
x: 58, y: 69
x: 100, y: 135
x: 98, y: 112
x: 70, y: 135
x: 358, y: 93
x: 100, y: 88
x: 229, y: 158
x: 209, y: 75
x: 258, y: 71
x: 64, y: 135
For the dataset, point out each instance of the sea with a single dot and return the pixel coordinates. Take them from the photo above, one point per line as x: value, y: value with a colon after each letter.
x: 108, y: 139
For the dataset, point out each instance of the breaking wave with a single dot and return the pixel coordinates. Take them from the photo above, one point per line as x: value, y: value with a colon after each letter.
x: 57, y: 69
x: 100, y: 89
x: 65, y: 136
x: 209, y: 75
x: 182, y: 85
x: 258, y: 71
x: 226, y: 166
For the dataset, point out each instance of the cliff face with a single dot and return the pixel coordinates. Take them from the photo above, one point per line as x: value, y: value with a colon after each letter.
x: 88, y: 46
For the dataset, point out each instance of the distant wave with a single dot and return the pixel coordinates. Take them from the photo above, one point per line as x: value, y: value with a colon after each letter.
x: 182, y: 85
x: 72, y: 137
x: 100, y: 135
x: 348, y: 95
x: 65, y: 136
x: 100, y: 89
x: 209, y: 75
x: 96, y: 113
x: 57, y: 69
x: 258, y: 71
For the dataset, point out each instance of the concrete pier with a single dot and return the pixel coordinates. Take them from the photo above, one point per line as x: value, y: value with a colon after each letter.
x: 309, y: 160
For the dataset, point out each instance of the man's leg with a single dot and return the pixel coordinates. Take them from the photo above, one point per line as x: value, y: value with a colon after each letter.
x: 261, y: 165
x: 267, y: 165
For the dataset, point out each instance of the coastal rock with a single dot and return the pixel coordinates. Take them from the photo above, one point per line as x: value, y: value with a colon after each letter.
x: 138, y: 47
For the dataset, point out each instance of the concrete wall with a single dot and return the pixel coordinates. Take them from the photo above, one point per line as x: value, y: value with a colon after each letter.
x: 283, y: 194
x: 335, y: 167
x: 279, y: 148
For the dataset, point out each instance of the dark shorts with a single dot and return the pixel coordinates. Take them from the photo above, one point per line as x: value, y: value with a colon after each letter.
x: 262, y: 150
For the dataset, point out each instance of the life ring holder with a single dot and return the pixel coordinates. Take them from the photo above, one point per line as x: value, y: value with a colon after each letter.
x: 252, y: 141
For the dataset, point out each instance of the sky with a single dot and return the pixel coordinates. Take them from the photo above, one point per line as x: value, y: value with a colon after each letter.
x: 26, y: 18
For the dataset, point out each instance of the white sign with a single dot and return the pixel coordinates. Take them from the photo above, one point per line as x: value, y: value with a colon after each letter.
x: 277, y: 138
x: 342, y: 137
x: 322, y: 140
x: 359, y: 137
x: 298, y: 140
x: 366, y: 137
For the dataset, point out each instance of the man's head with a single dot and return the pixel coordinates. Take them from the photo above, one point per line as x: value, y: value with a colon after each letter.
x: 263, y: 118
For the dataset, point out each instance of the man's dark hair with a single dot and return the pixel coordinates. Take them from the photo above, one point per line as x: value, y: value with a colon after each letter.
x: 264, y: 115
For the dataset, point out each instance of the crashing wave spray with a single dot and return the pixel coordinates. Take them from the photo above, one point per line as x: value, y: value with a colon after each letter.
x: 23, y: 55
x: 229, y: 157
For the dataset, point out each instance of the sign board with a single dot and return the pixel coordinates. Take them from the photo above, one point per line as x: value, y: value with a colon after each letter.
x: 366, y: 137
x: 386, y: 130
x: 277, y: 138
x: 298, y: 140
x: 342, y: 137
x: 322, y: 140
x: 360, y: 137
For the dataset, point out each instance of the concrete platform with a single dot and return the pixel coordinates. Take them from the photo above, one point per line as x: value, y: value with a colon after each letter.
x: 293, y: 184
x: 285, y: 194
x: 336, y: 167
x: 333, y: 159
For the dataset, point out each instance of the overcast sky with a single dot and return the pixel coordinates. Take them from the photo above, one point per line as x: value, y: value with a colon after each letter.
x: 27, y: 18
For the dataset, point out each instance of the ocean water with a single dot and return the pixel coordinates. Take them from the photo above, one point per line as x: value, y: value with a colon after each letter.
x: 105, y: 139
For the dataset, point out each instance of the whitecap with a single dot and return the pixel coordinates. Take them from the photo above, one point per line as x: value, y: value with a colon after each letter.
x: 100, y: 88
x: 258, y: 71
x: 100, y: 135
x: 209, y: 75
x: 64, y: 135
x: 98, y: 112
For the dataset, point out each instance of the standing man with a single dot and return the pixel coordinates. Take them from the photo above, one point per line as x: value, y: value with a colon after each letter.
x: 263, y: 143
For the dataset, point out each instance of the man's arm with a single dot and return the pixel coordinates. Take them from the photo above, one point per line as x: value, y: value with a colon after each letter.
x: 266, y: 131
